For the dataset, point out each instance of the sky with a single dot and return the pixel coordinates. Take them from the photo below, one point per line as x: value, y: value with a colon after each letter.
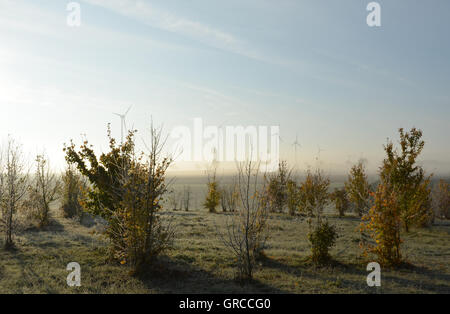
x: 313, y: 68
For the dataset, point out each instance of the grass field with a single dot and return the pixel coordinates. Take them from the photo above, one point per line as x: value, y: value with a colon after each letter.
x: 199, y: 263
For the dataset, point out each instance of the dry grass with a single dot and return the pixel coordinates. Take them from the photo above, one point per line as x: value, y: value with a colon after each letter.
x: 199, y: 262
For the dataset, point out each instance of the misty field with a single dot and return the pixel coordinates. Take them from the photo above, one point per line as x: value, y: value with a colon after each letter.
x: 199, y: 262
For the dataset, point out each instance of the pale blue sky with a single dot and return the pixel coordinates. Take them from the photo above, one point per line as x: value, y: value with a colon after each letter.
x: 313, y: 67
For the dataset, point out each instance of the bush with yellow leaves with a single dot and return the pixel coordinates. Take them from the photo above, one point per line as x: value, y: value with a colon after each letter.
x: 383, y: 225
x: 127, y: 190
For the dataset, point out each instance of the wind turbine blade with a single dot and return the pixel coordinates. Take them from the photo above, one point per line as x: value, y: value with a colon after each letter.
x: 127, y: 110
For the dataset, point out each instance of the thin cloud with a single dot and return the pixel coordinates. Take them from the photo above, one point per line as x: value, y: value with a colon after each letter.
x: 149, y: 15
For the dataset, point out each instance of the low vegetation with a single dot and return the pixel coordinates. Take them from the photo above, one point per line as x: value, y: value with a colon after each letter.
x: 200, y: 262
x: 275, y: 233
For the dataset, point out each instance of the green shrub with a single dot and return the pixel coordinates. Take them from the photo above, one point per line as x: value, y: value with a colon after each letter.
x: 72, y: 192
x: 322, y: 237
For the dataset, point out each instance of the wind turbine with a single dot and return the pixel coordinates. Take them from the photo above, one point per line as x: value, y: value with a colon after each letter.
x: 123, y: 124
x: 296, y: 144
x: 318, y: 152
x: 279, y: 136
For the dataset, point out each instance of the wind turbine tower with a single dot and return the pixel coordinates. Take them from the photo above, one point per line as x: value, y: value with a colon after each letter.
x: 123, y: 125
x: 296, y: 144
x: 319, y: 150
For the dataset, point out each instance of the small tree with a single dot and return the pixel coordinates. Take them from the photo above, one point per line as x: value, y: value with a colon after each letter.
x: 230, y: 196
x: 292, y: 197
x: 173, y: 200
x: 247, y: 229
x: 14, y: 186
x: 358, y: 188
x: 313, y: 197
x: 44, y: 190
x: 341, y: 202
x: 186, y: 197
x: 400, y: 170
x: 213, y: 195
x: 223, y: 199
x: 402, y: 198
x: 441, y: 200
x: 313, y: 194
x: 276, y: 193
x: 383, y: 224
x: 73, y: 185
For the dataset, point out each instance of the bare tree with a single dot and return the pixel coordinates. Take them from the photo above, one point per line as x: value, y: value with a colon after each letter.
x: 44, y: 190
x: 14, y: 186
x: 229, y: 196
x: 246, y: 230
x: 223, y: 199
x: 186, y: 197
x: 173, y: 200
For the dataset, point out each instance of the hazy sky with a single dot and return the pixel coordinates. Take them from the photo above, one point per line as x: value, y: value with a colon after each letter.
x: 312, y: 67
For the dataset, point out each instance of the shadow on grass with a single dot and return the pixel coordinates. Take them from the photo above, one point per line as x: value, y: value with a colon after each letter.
x: 54, y: 226
x: 333, y: 273
x: 273, y: 263
x: 397, y: 276
x: 54, y: 236
x: 167, y: 275
x: 429, y: 284
x: 29, y: 278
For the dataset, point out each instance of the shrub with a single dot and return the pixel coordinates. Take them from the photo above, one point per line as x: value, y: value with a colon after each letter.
x: 383, y: 225
x: 144, y: 236
x: 213, y: 195
x: 341, y: 202
x: 313, y: 193
x: 229, y: 197
x: 313, y: 197
x: 358, y: 188
x: 322, y: 237
x: 73, y: 185
x: 292, y: 197
x: 276, y: 193
x: 442, y: 200
x: 127, y: 190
